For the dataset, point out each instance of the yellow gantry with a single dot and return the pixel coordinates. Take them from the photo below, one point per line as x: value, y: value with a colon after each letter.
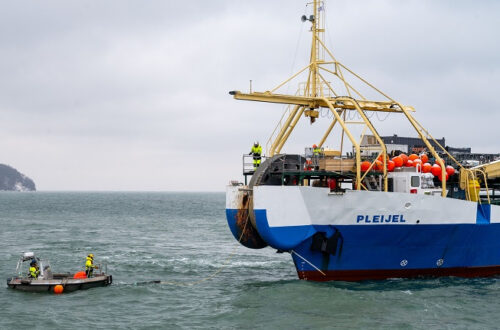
x: 318, y: 92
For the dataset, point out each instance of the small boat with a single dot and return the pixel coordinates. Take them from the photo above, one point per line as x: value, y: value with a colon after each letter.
x: 54, y: 282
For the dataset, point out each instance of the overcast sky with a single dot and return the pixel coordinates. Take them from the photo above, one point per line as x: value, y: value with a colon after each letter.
x: 133, y: 95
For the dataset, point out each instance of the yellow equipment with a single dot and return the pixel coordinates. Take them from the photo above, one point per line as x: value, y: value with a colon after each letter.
x: 318, y: 91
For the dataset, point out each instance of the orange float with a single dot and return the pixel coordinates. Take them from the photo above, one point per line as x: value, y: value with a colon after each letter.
x: 58, y: 289
x: 424, y: 158
x: 426, y: 168
x: 435, y: 169
x: 409, y: 163
x: 80, y: 274
x: 404, y: 157
x: 398, y: 161
x: 450, y: 170
x: 379, y: 166
x: 365, y: 166
x: 440, y: 177
x: 390, y: 166
x: 381, y: 158
x: 413, y: 157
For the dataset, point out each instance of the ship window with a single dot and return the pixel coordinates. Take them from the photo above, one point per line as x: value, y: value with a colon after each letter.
x: 415, y: 181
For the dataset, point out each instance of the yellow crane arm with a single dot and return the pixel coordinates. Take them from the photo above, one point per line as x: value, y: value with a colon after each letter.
x: 315, y: 102
x: 492, y: 169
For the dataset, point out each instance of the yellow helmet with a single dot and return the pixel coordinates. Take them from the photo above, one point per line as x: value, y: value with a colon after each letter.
x: 91, y: 256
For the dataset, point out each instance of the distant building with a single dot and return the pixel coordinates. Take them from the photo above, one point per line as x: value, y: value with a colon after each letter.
x: 415, y: 145
x: 400, y: 144
x: 454, y: 151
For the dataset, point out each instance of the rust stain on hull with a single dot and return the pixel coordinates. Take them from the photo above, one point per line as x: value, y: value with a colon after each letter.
x: 249, y: 235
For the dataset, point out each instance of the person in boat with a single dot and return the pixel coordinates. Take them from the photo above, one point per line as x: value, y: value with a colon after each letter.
x: 256, y: 152
x: 34, y: 270
x: 89, y: 265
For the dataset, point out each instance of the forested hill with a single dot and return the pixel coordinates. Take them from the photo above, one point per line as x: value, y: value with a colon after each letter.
x: 12, y: 180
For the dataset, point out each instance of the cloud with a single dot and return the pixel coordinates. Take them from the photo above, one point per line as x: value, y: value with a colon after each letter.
x: 132, y: 95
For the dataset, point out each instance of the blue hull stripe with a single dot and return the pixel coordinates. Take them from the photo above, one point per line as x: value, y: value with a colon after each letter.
x: 408, y: 247
x: 250, y: 238
x: 231, y: 215
x: 391, y: 247
x: 483, y: 214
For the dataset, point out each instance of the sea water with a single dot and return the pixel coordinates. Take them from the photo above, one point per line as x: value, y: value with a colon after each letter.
x: 183, y: 238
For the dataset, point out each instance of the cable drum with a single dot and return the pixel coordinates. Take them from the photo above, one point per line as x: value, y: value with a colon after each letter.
x: 268, y: 173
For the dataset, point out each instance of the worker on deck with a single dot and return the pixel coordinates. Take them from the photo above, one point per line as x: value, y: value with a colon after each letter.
x: 89, y: 265
x: 316, y: 153
x: 316, y: 150
x: 34, y: 271
x: 256, y: 152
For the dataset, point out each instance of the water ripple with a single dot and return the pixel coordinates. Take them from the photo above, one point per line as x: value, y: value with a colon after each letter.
x: 184, y: 238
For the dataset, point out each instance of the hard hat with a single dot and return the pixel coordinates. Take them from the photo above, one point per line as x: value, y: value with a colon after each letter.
x: 256, y: 144
x: 91, y: 256
x: 33, y: 262
x: 315, y: 146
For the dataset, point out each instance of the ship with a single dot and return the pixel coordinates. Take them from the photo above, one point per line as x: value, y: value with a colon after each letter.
x: 354, y: 212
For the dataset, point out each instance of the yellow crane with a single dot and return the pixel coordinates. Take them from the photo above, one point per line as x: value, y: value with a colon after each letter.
x: 318, y: 92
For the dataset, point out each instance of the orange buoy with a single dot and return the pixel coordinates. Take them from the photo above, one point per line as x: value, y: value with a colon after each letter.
x: 379, y: 166
x: 390, y: 166
x: 450, y: 170
x: 424, y: 158
x: 435, y: 169
x: 413, y: 157
x: 426, y: 168
x: 58, y: 289
x: 381, y: 158
x: 398, y: 161
x: 440, y: 177
x: 80, y: 274
x: 404, y: 158
x: 365, y: 166
x: 409, y: 163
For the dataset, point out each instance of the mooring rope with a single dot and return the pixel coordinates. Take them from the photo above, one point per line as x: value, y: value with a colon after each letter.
x: 310, y: 263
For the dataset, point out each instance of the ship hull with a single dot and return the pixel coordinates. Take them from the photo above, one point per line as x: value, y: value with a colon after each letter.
x: 362, y: 235
x: 364, y: 275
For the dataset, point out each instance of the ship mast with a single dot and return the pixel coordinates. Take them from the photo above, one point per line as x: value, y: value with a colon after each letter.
x: 315, y: 59
x: 318, y: 92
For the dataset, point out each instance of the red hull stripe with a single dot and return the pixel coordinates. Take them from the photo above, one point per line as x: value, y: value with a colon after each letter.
x: 360, y: 275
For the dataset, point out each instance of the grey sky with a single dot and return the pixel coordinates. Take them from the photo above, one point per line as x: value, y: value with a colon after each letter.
x: 132, y: 95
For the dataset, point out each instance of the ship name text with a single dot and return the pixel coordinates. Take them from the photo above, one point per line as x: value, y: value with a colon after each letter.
x: 380, y: 218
